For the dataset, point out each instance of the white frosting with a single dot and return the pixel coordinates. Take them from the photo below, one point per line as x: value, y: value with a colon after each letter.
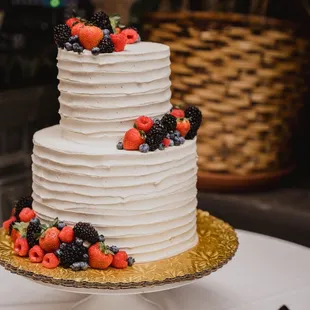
x: 144, y: 203
x: 102, y: 95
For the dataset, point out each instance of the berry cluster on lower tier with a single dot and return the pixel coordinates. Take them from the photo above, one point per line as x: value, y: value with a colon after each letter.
x: 149, y: 135
x: 97, y: 35
x: 57, y: 244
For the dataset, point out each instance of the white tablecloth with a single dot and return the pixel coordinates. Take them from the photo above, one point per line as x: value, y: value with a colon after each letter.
x: 265, y: 274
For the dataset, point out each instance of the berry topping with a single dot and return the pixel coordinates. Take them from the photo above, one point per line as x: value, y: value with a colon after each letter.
x: 102, y: 20
x: 77, y: 28
x: 177, y: 112
x: 133, y: 139
x: 36, y: 254
x: 95, y: 51
x: 66, y: 234
x: 68, y: 46
x: 71, y: 21
x: 74, y: 39
x: 120, y: 145
x: 79, y: 266
x: 50, y: 261
x: 131, y: 34
x: 106, y: 45
x: 166, y: 142
x: 60, y: 225
x: 24, y: 202
x: 62, y: 34
x: 86, y: 232
x: 183, y: 126
x: 26, y: 215
x: 156, y: 135
x: 119, y: 41
x: 71, y: 253
x: 100, y: 257
x: 114, y: 249
x: 90, y: 36
x: 144, y: 148
x: 49, y: 240
x: 195, y: 117
x: 101, y: 238
x: 169, y: 122
x: 33, y: 232
x: 131, y: 261
x: 21, y: 247
x: 144, y: 123
x: 120, y: 260
x: 106, y: 32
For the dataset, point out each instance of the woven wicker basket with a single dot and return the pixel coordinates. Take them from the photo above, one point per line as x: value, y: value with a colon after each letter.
x: 246, y: 75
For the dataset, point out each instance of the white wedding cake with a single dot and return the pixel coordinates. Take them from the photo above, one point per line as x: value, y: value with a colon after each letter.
x: 143, y: 202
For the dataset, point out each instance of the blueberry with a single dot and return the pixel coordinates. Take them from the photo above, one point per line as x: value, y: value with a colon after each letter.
x: 144, y: 148
x: 68, y: 46
x: 130, y: 261
x: 182, y: 140
x: 84, y: 265
x: 168, y: 136
x: 78, y: 241
x: 75, y: 47
x: 161, y: 147
x: 156, y: 121
x: 120, y: 145
x: 80, y: 49
x: 107, y: 36
x: 177, y: 142
x: 101, y: 238
x: 85, y: 257
x: 58, y: 252
x: 95, y: 51
x: 106, y: 31
x: 114, y: 249
x: 74, y: 39
x: 177, y: 133
x: 171, y: 143
x: 61, y: 225
x: 35, y: 221
x: 76, y: 266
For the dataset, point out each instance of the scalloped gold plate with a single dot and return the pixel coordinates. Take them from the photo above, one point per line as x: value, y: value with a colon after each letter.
x: 217, y: 244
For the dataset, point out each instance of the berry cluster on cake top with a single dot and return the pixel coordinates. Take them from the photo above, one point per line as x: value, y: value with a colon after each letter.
x: 100, y: 34
x: 56, y: 244
x: 172, y: 129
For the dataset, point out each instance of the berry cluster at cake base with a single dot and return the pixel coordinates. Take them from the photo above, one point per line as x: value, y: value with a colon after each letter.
x: 56, y: 244
x: 149, y: 135
x: 101, y: 34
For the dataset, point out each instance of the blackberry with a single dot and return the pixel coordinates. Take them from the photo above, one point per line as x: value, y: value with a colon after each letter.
x: 86, y: 232
x: 102, y: 20
x: 195, y: 117
x: 62, y: 34
x: 156, y: 135
x: 191, y: 134
x: 71, y: 253
x: 24, y: 202
x: 33, y: 232
x: 169, y: 122
x: 106, y: 46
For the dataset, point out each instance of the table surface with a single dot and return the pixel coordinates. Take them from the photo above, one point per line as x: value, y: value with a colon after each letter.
x: 265, y: 274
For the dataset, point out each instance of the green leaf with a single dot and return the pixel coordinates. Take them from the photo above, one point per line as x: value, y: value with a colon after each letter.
x: 115, y: 21
x: 105, y: 249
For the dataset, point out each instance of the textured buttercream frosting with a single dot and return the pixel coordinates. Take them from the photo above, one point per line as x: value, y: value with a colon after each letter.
x: 143, y: 203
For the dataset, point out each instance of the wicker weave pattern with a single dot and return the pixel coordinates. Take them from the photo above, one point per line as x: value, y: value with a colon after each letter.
x: 247, y: 79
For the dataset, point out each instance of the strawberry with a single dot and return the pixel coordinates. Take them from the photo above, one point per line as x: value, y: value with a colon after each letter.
x: 133, y: 139
x: 131, y: 34
x: 119, y: 41
x: 183, y: 126
x: 144, y: 123
x: 166, y: 142
x: 49, y: 240
x: 77, y: 28
x: 120, y: 260
x: 6, y: 224
x: 66, y: 235
x: 118, y: 30
x: 50, y: 261
x: 100, y: 257
x: 177, y: 112
x: 71, y: 21
x: 15, y: 234
x: 90, y: 36
x: 21, y: 247
x: 36, y: 254
x: 26, y: 215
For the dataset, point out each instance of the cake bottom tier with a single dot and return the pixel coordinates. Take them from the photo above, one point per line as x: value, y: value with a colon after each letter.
x: 143, y: 203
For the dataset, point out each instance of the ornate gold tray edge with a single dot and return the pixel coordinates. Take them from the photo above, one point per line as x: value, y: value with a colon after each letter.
x: 84, y: 280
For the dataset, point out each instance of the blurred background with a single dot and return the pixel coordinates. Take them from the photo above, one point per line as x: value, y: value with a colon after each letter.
x: 245, y: 63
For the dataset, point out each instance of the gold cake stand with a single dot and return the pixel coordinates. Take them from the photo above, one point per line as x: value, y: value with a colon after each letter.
x: 217, y: 244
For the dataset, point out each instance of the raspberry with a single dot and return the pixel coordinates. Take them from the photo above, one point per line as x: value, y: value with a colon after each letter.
x: 21, y: 247
x: 36, y: 254
x: 50, y: 261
